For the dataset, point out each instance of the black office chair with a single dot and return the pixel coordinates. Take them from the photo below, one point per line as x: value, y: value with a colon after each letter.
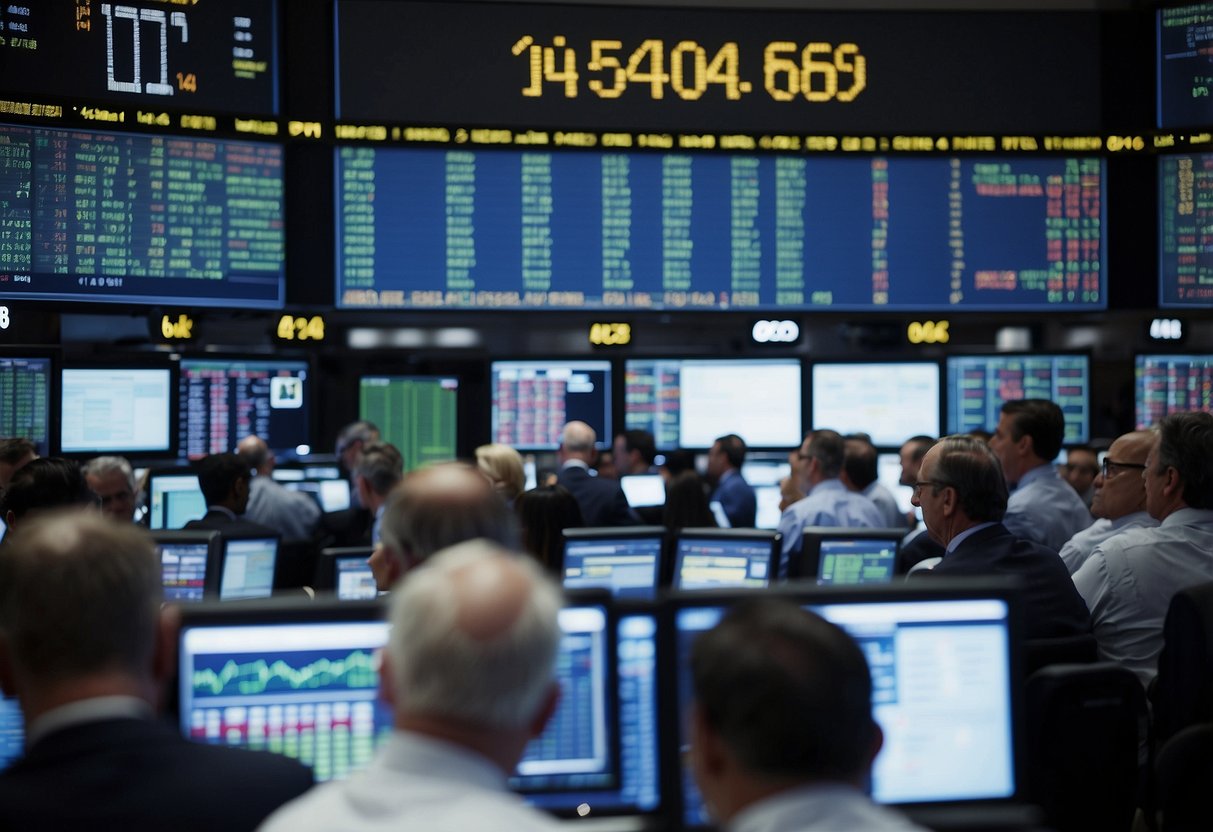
x: 1085, y: 727
x: 1042, y: 652
x: 1184, y: 778
x: 1182, y: 693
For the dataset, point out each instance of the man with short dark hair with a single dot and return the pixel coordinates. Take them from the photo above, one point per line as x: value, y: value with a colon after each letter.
x: 14, y: 453
x: 41, y: 484
x: 736, y: 497
x: 85, y: 648
x: 224, y: 480
x: 860, y: 473
x: 635, y: 453
x: 113, y: 481
x: 963, y: 496
x: 911, y: 453
x: 1080, y: 469
x: 1129, y: 580
x: 1042, y: 506
x: 782, y: 734
x: 380, y: 466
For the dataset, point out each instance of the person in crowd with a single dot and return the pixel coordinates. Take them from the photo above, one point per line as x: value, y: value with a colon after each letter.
x: 910, y: 455
x: 686, y: 504
x: 469, y: 671
x: 1042, y: 506
x: 543, y: 515
x: 782, y: 734
x: 601, y: 499
x: 225, y: 481
x: 1130, y: 578
x: 1120, y: 498
x: 827, y: 502
x: 113, y: 481
x: 86, y: 651
x: 292, y: 514
x: 41, y: 484
x: 503, y: 466
x: 14, y: 453
x: 1080, y: 469
x: 432, y: 508
x: 380, y: 466
x: 635, y: 452
x: 982, y: 434
x: 860, y: 472
x: 350, y: 441
x: 963, y: 496
x: 604, y: 466
x: 736, y: 497
x: 918, y: 545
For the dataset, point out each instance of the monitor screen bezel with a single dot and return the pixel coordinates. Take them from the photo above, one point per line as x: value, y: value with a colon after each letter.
x: 461, y: 394
x: 214, y: 554
x: 326, y: 566
x: 806, y: 565
x: 54, y: 397
x: 166, y: 471
x: 151, y: 363
x: 705, y: 533
x: 621, y: 533
x: 227, y: 540
x: 603, y: 438
x: 1138, y: 358
x: 940, y: 399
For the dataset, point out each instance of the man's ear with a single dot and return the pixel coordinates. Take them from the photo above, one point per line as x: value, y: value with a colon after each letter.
x: 951, y: 500
x: 547, y: 710
x: 1172, y: 486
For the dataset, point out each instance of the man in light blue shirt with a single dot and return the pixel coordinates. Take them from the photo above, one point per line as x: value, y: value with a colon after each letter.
x: 1042, y: 507
x: 828, y: 502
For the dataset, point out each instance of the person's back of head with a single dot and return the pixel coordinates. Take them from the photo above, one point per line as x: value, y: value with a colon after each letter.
x: 1040, y: 419
x: 642, y: 443
x: 14, y: 452
x: 828, y: 449
x: 860, y: 463
x: 969, y: 465
x: 734, y: 449
x: 352, y: 438
x: 686, y: 503
x: 254, y: 452
x: 678, y: 461
x: 219, y: 478
x: 782, y: 699
x: 1185, y: 443
x: 42, y: 484
x: 504, y: 468
x: 543, y: 514
x: 380, y: 466
x: 577, y: 441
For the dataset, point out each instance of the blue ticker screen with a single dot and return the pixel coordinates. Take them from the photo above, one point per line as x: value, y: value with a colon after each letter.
x: 979, y: 385
x: 428, y: 228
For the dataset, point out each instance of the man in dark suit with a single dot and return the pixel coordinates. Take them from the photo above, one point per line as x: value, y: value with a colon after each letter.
x: 84, y: 647
x: 601, y: 500
x: 735, y: 495
x: 225, y: 480
x: 963, y: 497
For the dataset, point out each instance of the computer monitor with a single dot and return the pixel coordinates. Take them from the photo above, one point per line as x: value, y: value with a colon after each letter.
x: 643, y: 490
x: 1185, y: 211
x: 1182, y: 66
x: 945, y: 685
x: 689, y: 403
x: 845, y: 556
x: 299, y: 679
x: 189, y: 564
x: 764, y: 476
x: 1169, y: 384
x: 247, y: 568
x: 627, y: 561
x: 417, y: 414
x: 888, y: 400
x: 534, y: 400
x: 223, y: 400
x: 12, y: 731
x: 979, y: 385
x: 25, y: 399
x: 579, y: 748
x: 174, y: 498
x: 320, y: 481
x: 720, y: 558
x: 119, y: 410
x: 346, y: 573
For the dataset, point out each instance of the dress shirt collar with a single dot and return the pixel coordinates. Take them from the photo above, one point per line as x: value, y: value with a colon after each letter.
x: 833, y: 484
x: 966, y: 534
x: 96, y: 709
x: 1040, y: 472
x: 414, y: 753
x: 576, y: 463
x: 1132, y: 517
x: 1188, y: 517
x: 784, y: 809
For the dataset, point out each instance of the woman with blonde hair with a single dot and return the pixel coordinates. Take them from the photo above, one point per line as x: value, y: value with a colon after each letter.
x: 503, y: 466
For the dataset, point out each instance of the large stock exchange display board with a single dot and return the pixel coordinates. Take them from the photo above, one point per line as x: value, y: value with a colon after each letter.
x: 431, y: 228
x: 1185, y: 217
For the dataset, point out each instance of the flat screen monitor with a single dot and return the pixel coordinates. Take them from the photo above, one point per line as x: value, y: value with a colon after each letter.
x: 322, y: 481
x: 417, y: 414
x: 764, y: 476
x: 143, y: 219
x: 1185, y: 243
x: 643, y: 490
x: 944, y: 688
x: 845, y: 556
x: 344, y: 571
x: 115, y: 410
x: 12, y: 731
x: 978, y: 385
x: 689, y: 403
x: 1169, y: 384
x: 223, y: 400
x: 174, y: 498
x: 300, y: 680
x: 1185, y: 40
x: 533, y: 400
x: 579, y: 748
x: 189, y: 564
x: 625, y: 561
x: 25, y: 399
x: 721, y: 558
x: 889, y: 401
x: 247, y: 569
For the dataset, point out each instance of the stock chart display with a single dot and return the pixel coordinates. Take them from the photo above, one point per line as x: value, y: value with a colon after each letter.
x: 979, y: 385
x: 138, y: 218
x: 417, y: 414
x: 25, y: 400
x: 1185, y: 66
x: 205, y: 55
x: 463, y: 229
x: 1185, y: 234
x: 221, y: 401
x: 1169, y: 384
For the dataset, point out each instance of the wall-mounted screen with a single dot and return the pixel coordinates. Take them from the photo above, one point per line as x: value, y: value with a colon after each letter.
x: 221, y: 401
x: 533, y: 400
x: 115, y: 410
x: 689, y: 403
x: 25, y: 400
x: 124, y: 218
x: 888, y: 401
x: 417, y: 414
x: 1169, y: 384
x: 1185, y: 66
x: 424, y: 228
x: 978, y: 385
x: 1185, y: 241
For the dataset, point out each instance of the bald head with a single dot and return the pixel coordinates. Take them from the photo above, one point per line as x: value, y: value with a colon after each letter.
x: 577, y: 441
x: 256, y: 454
x: 1122, y: 491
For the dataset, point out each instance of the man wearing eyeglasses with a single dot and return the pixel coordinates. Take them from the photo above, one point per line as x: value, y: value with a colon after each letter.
x: 1130, y: 578
x: 1120, y: 498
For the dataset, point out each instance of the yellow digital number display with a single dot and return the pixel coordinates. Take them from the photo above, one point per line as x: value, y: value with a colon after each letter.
x: 610, y: 335
x: 301, y: 328
x: 928, y: 332
x: 181, y: 329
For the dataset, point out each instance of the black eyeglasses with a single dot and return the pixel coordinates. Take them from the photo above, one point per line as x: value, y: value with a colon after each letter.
x: 1108, y: 466
x: 918, y: 485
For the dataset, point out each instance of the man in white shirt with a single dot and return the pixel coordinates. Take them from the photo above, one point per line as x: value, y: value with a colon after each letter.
x: 1120, y: 498
x: 1129, y: 580
x: 470, y: 672
x: 292, y: 514
x: 782, y: 735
